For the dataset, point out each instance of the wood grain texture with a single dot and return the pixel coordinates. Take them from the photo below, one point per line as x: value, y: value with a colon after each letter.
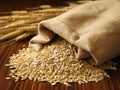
x: 112, y: 83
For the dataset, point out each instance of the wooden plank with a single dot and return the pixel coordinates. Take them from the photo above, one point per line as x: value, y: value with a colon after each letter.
x: 107, y: 84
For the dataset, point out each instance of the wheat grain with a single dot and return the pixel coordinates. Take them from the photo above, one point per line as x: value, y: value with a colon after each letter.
x: 55, y: 63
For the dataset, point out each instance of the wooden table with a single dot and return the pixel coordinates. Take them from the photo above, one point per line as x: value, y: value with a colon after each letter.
x: 112, y: 83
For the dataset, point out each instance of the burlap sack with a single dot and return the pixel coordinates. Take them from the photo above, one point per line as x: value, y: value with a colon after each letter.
x: 93, y: 27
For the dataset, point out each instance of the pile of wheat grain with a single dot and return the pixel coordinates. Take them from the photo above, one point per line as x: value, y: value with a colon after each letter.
x: 56, y: 62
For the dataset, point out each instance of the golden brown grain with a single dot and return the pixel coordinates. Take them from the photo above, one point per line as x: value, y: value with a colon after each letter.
x: 56, y: 62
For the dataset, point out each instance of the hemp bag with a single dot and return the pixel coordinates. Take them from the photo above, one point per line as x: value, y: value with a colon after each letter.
x: 93, y: 27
